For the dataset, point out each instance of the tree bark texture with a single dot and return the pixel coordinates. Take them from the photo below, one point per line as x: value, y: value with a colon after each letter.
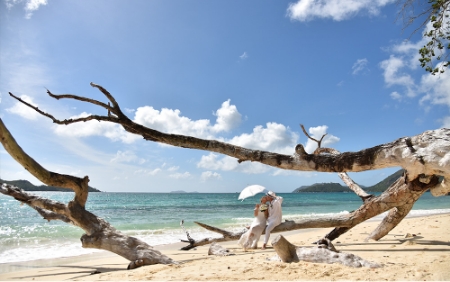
x: 99, y: 233
x: 287, y: 252
x: 284, y: 249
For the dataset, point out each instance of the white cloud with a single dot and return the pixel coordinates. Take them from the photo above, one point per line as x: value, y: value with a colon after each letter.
x: 228, y: 117
x: 396, y: 96
x: 243, y: 56
x: 23, y: 110
x: 171, y: 121
x: 173, y: 168
x: 10, y: 3
x: 399, y: 69
x: 338, y: 10
x: 360, y: 66
x: 127, y: 157
x: 275, y: 138
x: 154, y: 171
x: 437, y: 88
x: 148, y: 172
x: 210, y: 175
x: 317, y: 133
x: 394, y: 74
x: 216, y: 162
x: 180, y: 175
x: 30, y: 5
x: 212, y: 161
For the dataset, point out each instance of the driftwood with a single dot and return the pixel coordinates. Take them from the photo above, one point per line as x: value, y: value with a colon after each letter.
x: 99, y: 233
x: 423, y: 157
x: 286, y: 251
x: 323, y: 253
x: 226, y: 236
x: 217, y: 250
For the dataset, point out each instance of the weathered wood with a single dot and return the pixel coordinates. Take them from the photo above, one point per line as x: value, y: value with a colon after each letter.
x: 217, y: 250
x: 404, y: 204
x: 324, y: 253
x: 99, y: 233
x: 284, y: 249
x: 226, y: 236
x: 78, y: 185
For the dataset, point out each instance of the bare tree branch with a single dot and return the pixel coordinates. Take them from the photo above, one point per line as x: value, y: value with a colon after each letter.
x: 319, y: 142
x: 99, y: 233
x: 404, y: 152
x: 78, y: 185
x: 79, y: 98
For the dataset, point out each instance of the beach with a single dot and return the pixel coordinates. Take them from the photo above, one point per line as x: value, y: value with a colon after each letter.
x: 422, y: 257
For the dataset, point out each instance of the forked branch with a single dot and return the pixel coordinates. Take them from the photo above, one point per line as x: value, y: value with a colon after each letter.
x: 430, y: 148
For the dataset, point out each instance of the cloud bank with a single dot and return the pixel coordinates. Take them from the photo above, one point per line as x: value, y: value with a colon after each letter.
x: 337, y: 10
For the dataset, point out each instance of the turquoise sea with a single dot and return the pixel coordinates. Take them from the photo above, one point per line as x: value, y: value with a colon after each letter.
x: 155, y: 218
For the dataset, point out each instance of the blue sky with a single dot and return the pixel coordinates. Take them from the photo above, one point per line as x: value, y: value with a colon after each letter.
x: 244, y: 72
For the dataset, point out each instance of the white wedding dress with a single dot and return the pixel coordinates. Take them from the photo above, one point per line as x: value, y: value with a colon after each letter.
x: 249, y: 240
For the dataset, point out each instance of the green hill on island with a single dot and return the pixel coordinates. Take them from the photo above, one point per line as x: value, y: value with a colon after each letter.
x: 28, y: 186
x: 336, y: 187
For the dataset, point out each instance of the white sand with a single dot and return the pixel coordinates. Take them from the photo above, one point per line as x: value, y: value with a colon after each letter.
x: 425, y: 257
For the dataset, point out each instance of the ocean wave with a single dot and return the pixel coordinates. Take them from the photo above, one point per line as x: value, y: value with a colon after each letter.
x: 29, y: 252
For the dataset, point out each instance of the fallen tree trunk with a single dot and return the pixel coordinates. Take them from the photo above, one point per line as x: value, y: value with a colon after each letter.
x: 99, y: 233
x: 425, y: 154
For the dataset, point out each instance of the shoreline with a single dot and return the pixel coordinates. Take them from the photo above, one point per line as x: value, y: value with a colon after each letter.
x: 424, y: 257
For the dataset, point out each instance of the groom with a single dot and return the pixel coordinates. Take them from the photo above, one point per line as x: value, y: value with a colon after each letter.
x: 275, y: 214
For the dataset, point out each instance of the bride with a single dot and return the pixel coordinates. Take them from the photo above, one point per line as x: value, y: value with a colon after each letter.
x: 249, y: 240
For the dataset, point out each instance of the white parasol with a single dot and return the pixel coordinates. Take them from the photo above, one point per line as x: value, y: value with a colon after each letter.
x: 250, y: 191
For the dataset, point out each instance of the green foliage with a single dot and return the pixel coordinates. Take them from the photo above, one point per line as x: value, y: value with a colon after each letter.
x: 28, y: 186
x: 439, y: 37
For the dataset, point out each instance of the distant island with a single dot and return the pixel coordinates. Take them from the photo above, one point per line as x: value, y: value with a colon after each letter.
x: 336, y: 187
x: 28, y: 186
